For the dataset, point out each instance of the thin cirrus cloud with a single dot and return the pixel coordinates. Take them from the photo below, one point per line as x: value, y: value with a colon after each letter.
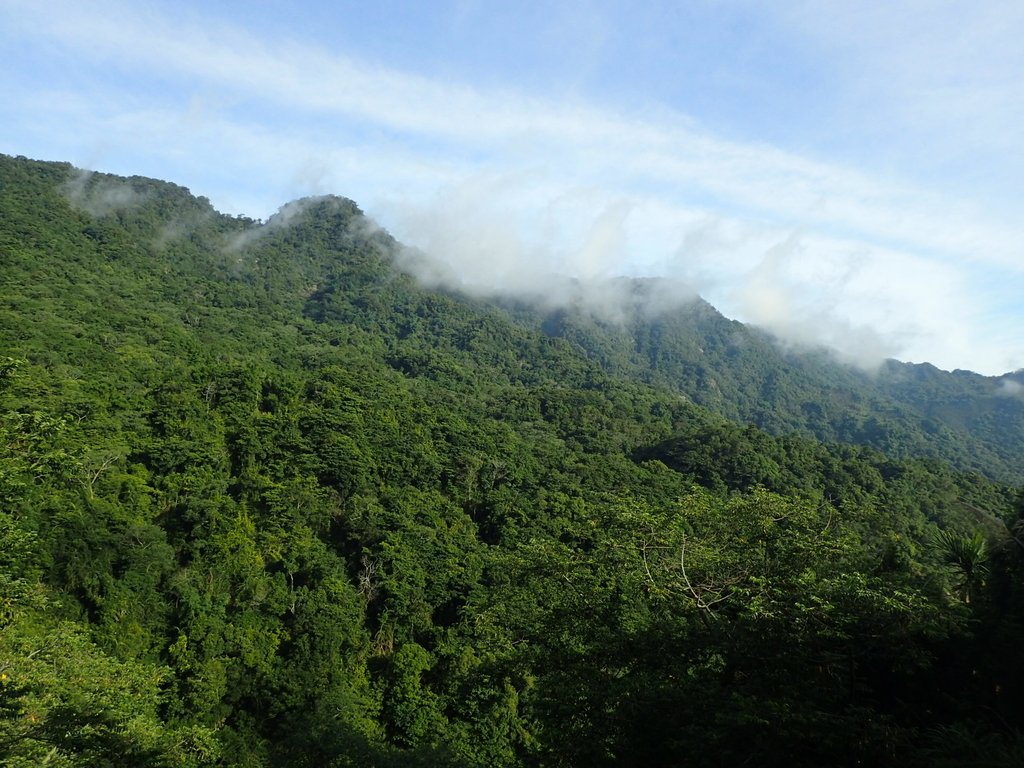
x: 507, y: 187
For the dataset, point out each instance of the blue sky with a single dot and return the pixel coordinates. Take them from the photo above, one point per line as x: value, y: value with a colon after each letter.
x: 845, y: 173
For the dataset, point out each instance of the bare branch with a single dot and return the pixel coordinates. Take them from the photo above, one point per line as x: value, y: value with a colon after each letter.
x: 721, y: 593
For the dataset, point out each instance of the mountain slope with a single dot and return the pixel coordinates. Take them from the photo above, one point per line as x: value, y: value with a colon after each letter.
x: 971, y: 421
x: 267, y: 501
x: 974, y: 422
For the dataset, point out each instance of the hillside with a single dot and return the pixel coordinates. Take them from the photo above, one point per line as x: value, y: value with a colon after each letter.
x: 973, y: 422
x: 265, y: 500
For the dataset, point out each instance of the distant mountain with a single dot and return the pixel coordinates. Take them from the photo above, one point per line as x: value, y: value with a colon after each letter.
x: 974, y: 422
x: 190, y: 256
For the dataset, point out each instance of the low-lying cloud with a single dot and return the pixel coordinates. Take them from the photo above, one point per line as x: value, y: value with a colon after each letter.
x: 101, y: 195
x: 1010, y: 388
x: 501, y: 237
x: 516, y: 236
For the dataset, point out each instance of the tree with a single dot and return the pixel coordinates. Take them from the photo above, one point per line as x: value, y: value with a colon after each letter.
x: 967, y: 556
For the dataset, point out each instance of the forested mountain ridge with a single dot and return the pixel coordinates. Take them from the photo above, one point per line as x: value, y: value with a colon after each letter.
x: 265, y: 500
x: 972, y: 421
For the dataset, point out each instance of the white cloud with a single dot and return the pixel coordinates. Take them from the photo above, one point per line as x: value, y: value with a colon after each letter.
x: 940, y: 81
x: 1010, y: 388
x: 510, y: 189
x: 611, y: 148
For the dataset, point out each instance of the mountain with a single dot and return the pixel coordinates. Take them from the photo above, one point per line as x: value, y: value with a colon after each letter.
x: 267, y: 500
x: 976, y: 423
x: 971, y: 421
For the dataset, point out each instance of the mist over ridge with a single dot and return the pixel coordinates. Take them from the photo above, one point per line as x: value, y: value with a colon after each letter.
x: 484, y: 257
x: 469, y: 248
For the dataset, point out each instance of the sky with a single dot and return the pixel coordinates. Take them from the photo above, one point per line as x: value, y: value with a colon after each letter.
x: 845, y: 173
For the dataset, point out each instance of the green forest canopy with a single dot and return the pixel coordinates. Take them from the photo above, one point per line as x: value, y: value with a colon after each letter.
x: 266, y: 501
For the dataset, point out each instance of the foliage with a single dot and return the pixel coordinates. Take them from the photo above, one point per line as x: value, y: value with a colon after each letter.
x: 266, y: 501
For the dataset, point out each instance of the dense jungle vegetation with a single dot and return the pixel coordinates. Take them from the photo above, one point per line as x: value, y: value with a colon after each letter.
x: 266, y: 501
